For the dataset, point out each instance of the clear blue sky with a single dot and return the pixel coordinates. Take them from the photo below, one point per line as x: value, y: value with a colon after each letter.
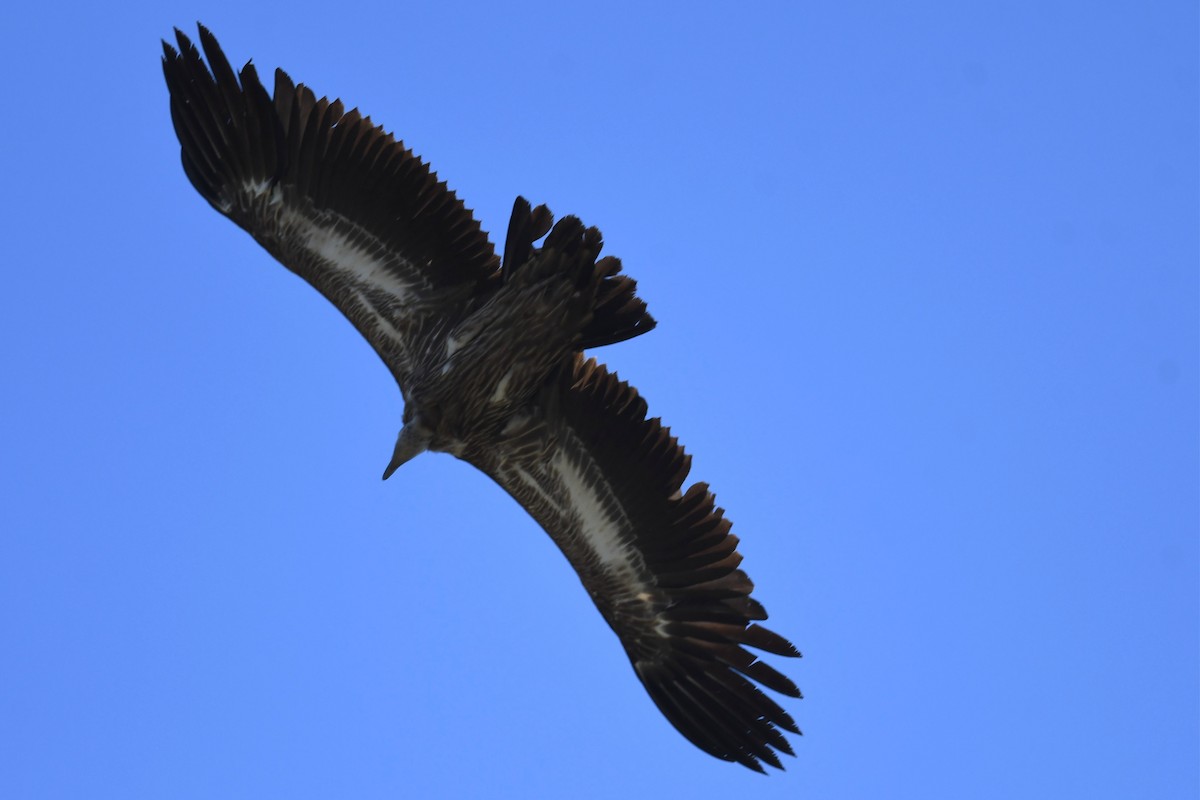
x: 927, y: 283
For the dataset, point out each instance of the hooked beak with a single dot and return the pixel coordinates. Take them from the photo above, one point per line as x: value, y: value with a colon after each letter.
x: 412, y: 441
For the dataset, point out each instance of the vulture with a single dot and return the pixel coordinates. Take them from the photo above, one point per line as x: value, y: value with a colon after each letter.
x: 488, y: 353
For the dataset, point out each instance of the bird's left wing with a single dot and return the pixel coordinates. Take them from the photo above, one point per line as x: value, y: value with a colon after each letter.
x: 333, y: 197
x: 658, y: 561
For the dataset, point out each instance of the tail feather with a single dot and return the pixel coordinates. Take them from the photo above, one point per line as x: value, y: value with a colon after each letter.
x: 617, y: 313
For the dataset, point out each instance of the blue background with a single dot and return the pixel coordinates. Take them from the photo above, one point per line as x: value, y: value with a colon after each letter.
x: 926, y: 278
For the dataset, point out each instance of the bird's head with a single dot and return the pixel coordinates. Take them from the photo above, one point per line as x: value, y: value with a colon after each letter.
x: 413, y: 440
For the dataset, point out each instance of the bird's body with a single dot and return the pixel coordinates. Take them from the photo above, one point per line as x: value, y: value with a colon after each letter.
x: 489, y: 357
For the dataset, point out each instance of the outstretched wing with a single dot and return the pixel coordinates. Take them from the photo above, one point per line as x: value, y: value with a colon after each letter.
x: 333, y: 197
x: 660, y: 563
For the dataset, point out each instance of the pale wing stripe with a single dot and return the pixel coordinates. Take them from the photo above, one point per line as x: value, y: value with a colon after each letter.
x: 535, y: 486
x: 256, y: 191
x: 593, y: 519
x: 602, y: 523
x: 339, y: 244
x: 359, y: 274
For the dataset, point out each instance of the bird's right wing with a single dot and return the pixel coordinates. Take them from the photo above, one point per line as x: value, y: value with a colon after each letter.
x: 333, y: 197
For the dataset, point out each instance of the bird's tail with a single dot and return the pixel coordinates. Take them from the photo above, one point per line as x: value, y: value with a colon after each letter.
x: 616, y: 312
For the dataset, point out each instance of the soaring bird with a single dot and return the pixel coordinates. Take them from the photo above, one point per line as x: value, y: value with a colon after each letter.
x: 488, y: 353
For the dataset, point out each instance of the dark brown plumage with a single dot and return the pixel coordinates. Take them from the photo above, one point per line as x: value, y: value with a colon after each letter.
x: 488, y: 355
